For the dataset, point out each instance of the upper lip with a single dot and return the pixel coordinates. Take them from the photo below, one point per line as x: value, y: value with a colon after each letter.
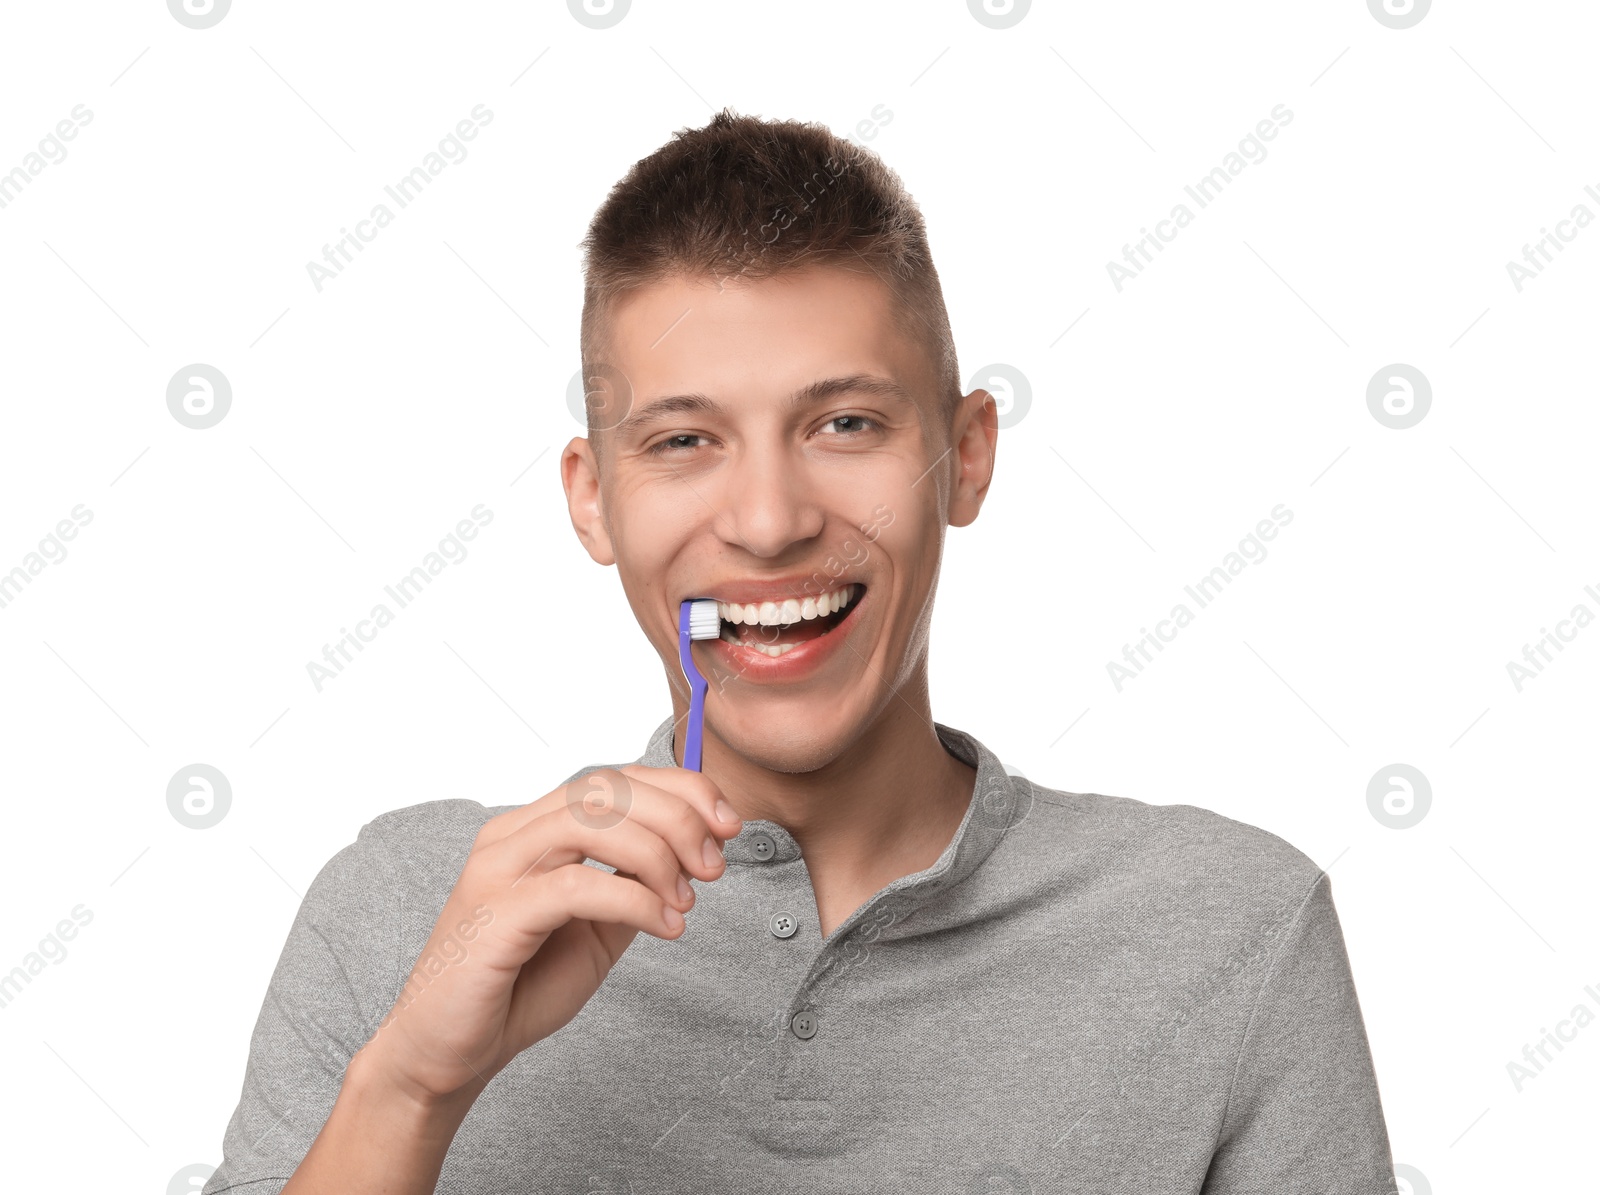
x: 776, y: 590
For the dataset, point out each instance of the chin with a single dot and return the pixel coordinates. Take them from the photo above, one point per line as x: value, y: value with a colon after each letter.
x: 800, y: 747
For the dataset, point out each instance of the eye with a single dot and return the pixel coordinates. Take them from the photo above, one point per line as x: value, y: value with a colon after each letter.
x: 859, y: 424
x: 671, y: 445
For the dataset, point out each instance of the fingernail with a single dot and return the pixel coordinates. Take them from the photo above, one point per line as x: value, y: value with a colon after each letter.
x: 712, y: 854
x: 725, y: 812
x: 672, y: 918
x: 684, y: 892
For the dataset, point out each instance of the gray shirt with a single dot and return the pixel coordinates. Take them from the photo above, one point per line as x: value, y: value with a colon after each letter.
x: 1082, y: 994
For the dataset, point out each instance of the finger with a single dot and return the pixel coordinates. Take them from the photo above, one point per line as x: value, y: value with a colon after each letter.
x: 616, y: 789
x: 678, y: 818
x: 569, y: 950
x: 577, y: 891
x: 610, y: 797
x: 557, y: 839
x: 696, y: 788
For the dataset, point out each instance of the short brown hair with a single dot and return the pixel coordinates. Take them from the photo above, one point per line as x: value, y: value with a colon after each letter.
x: 747, y: 197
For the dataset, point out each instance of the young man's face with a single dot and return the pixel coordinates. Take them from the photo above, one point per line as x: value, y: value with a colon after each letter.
x: 812, y: 458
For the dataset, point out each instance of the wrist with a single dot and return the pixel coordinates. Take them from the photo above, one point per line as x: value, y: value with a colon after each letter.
x: 372, y: 1084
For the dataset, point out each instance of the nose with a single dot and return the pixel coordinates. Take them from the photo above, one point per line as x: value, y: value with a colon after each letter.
x: 768, y: 502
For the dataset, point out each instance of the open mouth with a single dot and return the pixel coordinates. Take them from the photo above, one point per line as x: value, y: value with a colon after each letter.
x: 777, y: 628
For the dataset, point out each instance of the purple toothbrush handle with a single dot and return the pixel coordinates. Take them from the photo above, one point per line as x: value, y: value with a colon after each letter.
x: 697, y: 692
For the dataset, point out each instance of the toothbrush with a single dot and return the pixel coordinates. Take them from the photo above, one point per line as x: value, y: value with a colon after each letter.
x: 697, y: 619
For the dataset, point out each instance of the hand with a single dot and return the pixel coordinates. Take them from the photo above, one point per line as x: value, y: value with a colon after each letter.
x: 530, y: 931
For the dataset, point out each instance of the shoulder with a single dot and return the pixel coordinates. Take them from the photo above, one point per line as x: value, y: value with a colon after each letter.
x: 450, y: 816
x: 382, y: 893
x: 1177, y: 832
x: 417, y: 850
x: 427, y: 838
x: 1189, y: 862
x: 396, y: 855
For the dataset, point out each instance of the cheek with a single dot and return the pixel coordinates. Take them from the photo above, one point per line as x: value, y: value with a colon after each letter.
x: 902, y: 541
x: 647, y: 523
x: 643, y: 568
x: 651, y: 534
x: 901, y: 521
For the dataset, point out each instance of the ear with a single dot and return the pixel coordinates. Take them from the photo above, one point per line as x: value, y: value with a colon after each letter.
x: 973, y: 434
x: 580, y: 477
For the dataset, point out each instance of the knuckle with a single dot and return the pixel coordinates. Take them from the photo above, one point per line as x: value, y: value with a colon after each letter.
x: 481, y: 858
x: 565, y: 882
x: 662, y: 854
x: 699, y: 782
x: 490, y: 830
x: 688, y: 829
x: 686, y: 820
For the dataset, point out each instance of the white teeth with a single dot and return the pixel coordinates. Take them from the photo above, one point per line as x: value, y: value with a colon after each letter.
x: 774, y: 650
x: 789, y: 611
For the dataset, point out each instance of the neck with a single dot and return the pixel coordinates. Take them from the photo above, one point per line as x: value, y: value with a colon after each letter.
x: 885, y: 806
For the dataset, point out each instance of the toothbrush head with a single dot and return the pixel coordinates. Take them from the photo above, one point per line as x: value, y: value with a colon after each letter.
x: 704, y: 621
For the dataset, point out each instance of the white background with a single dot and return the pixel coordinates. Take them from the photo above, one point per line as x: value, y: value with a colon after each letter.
x: 431, y: 376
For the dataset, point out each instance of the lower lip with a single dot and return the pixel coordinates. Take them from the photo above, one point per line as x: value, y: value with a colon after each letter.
x: 797, y: 663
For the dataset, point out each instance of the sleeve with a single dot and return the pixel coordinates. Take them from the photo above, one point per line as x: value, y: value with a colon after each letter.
x: 1303, y: 1114
x: 335, y: 980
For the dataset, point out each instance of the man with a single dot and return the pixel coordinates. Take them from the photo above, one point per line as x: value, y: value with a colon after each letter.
x: 903, y: 970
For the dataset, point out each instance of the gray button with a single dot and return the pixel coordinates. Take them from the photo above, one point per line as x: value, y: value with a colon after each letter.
x: 804, y: 1025
x: 783, y: 925
x: 762, y: 846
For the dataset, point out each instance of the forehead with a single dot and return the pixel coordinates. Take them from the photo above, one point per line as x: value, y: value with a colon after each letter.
x: 768, y: 336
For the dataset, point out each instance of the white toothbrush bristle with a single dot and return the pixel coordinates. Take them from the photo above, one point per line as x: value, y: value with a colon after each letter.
x: 704, y: 621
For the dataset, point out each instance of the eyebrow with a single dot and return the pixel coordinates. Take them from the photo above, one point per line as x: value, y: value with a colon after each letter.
x: 816, y: 392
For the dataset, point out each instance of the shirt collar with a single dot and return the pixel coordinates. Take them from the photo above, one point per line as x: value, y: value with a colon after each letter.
x: 999, y: 802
